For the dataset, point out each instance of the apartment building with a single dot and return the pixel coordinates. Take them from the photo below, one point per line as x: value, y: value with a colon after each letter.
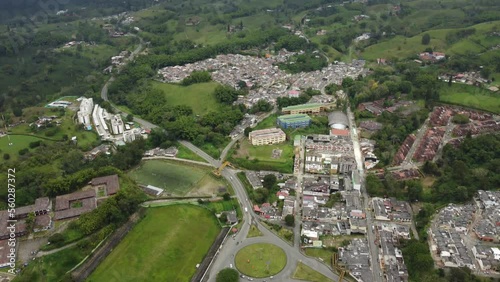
x: 267, y: 136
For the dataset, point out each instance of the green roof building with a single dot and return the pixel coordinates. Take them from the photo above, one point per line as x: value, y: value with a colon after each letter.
x: 294, y: 121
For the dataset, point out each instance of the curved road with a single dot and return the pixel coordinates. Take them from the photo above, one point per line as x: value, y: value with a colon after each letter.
x: 225, y: 255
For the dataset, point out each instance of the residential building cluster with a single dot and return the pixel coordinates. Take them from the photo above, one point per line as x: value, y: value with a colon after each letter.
x: 248, y: 121
x: 257, y: 177
x: 42, y: 221
x: 99, y: 150
x: 262, y: 76
x: 367, y: 147
x: 404, y: 149
x: 108, y: 126
x: 488, y: 227
x: 428, y: 146
x: 327, y: 154
x: 470, y: 78
x: 392, y: 261
x: 462, y: 235
x: 356, y: 257
x: 476, y: 127
x: 391, y: 209
x: 159, y: 152
x: 447, y: 233
x: 440, y: 116
x: 266, y: 136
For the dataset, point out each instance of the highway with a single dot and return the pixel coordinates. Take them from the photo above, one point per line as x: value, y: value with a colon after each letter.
x: 376, y: 269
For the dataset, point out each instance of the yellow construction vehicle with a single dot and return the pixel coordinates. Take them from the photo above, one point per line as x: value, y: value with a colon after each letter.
x: 223, y: 165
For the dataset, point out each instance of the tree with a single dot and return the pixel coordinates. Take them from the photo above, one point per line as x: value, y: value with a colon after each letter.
x: 223, y: 217
x: 226, y: 196
x: 130, y: 118
x: 56, y: 238
x: 290, y: 220
x: 426, y: 39
x: 269, y: 181
x: 227, y: 275
x: 415, y: 190
x: 347, y: 82
x: 6, y: 156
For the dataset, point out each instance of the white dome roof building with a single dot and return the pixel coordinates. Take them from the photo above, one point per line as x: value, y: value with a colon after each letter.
x: 338, y: 120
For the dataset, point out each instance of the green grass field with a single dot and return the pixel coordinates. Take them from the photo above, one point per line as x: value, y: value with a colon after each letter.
x: 176, y: 178
x: 164, y: 246
x: 198, y: 96
x: 400, y: 47
x: 470, y: 96
x: 321, y: 253
x: 304, y: 272
x: 185, y: 153
x: 254, y: 232
x: 250, y: 156
x: 18, y: 142
x: 260, y: 260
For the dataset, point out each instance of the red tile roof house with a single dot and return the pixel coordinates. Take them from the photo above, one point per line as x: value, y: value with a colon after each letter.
x: 64, y: 209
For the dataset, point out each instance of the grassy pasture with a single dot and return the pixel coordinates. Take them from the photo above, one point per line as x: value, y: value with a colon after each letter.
x: 198, y: 96
x: 164, y: 246
x: 470, y: 96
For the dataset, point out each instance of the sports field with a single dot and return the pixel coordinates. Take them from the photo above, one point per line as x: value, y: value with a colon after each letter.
x: 260, y: 260
x: 166, y: 245
x: 198, y: 96
x: 176, y: 178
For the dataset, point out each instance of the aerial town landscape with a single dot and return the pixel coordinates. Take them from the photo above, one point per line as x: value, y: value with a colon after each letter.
x: 220, y: 141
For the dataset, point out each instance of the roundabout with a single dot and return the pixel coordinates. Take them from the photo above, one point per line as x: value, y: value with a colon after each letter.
x: 260, y: 260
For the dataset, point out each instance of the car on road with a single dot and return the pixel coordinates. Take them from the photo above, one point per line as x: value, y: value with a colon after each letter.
x: 231, y: 265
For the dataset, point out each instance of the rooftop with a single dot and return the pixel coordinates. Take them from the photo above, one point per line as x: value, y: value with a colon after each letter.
x: 294, y: 118
x: 303, y: 106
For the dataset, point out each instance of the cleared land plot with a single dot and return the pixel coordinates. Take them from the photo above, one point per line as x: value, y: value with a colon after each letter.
x: 198, y: 96
x: 164, y: 246
x: 177, y: 178
x: 260, y: 260
x: 470, y: 96
x: 253, y: 157
x: 304, y: 272
x: 336, y: 241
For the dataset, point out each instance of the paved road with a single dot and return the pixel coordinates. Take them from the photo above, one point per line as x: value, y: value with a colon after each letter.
x: 225, y: 256
x: 369, y: 217
x: 230, y: 248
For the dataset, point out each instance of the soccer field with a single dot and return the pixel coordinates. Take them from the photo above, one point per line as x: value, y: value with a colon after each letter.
x: 166, y: 245
x: 176, y: 178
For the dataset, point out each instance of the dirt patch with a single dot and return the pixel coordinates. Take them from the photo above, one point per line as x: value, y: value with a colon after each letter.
x: 207, y: 186
x: 242, y: 152
x: 428, y: 181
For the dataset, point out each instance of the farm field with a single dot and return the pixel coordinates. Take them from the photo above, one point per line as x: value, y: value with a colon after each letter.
x: 260, y: 260
x: 161, y: 252
x: 250, y: 156
x: 470, y: 96
x: 400, y: 47
x: 177, y: 178
x: 198, y: 96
